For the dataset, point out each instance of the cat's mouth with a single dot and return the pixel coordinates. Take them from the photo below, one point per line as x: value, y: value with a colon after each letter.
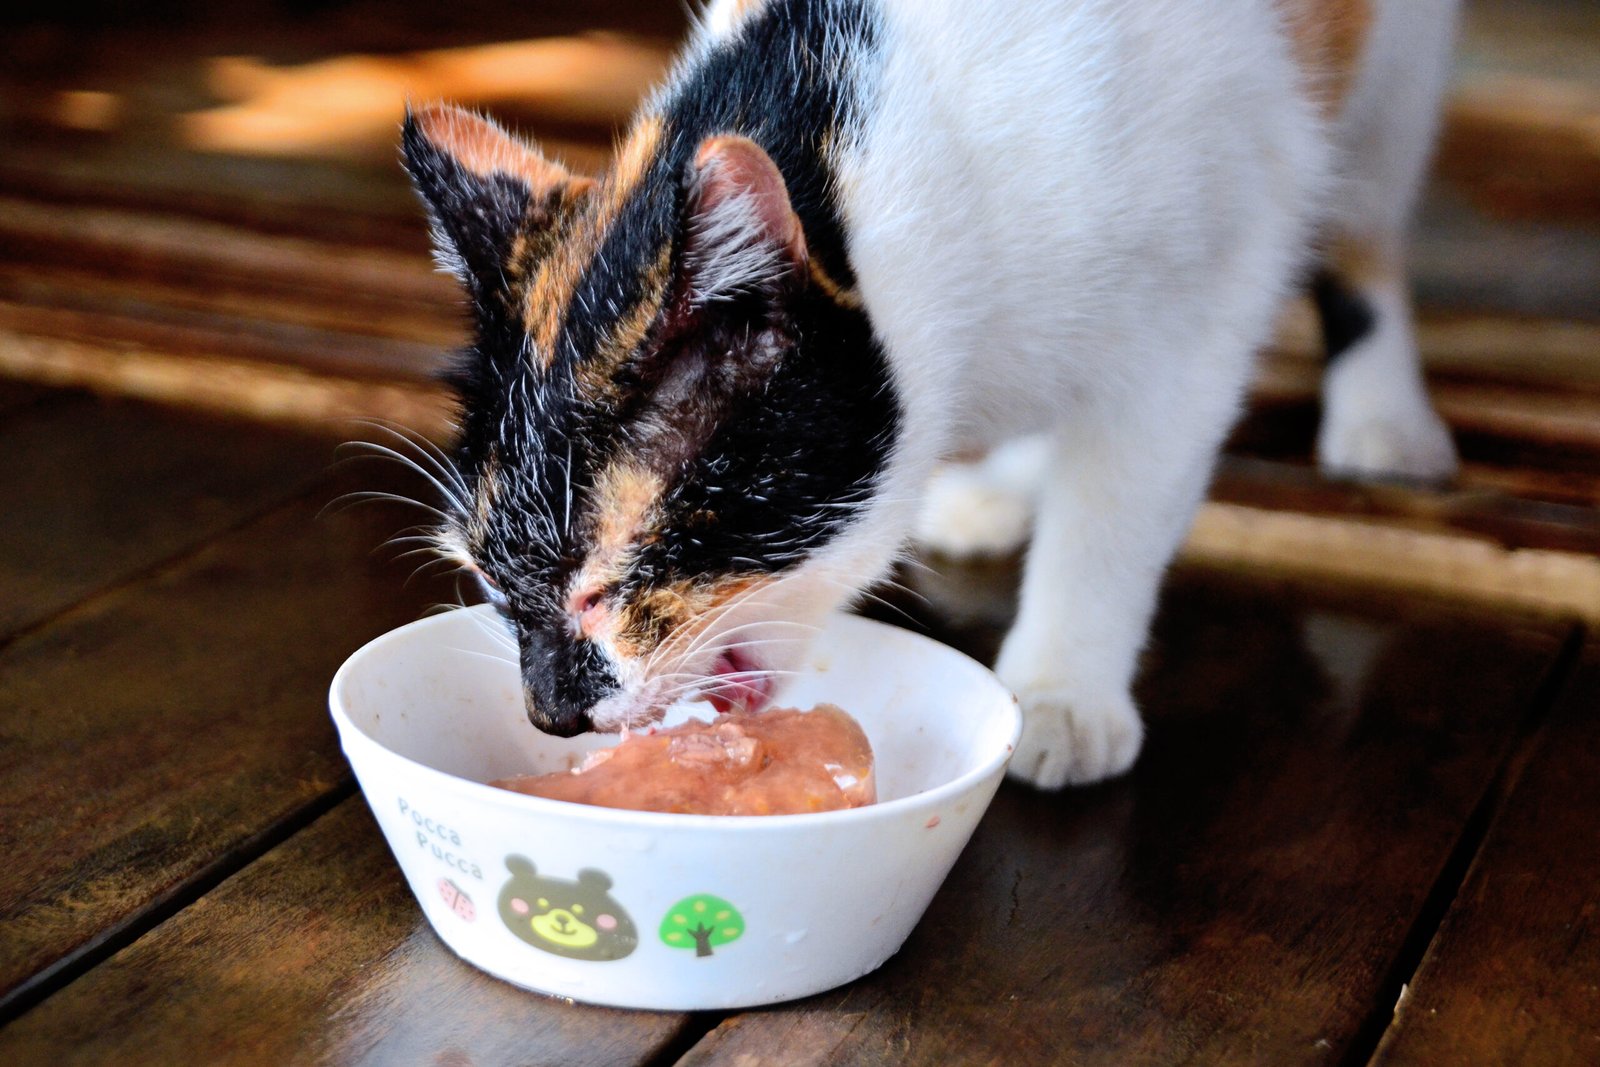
x: 738, y: 683
x: 734, y: 681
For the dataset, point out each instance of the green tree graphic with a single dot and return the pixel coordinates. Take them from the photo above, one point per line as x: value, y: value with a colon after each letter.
x: 702, y: 921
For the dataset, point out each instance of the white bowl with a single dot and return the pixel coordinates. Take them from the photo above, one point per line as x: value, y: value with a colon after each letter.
x: 583, y: 902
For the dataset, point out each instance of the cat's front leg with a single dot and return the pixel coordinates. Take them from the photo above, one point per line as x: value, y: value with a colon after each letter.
x: 1112, y: 508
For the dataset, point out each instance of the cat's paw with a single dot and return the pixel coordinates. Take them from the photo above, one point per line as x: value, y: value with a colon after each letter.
x: 1378, y: 422
x: 1067, y: 740
x: 1413, y: 445
x: 967, y: 516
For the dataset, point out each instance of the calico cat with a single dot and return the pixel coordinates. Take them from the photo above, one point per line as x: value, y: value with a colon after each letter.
x: 851, y: 239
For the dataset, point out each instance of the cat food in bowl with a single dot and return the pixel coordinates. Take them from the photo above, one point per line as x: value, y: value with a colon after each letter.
x: 780, y: 762
x: 665, y: 910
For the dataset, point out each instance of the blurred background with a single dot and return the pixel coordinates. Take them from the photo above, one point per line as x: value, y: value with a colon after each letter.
x: 202, y: 204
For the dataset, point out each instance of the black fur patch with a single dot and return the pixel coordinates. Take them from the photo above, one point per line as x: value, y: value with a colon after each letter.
x: 475, y: 218
x: 781, y: 462
x: 563, y: 678
x: 1346, y: 316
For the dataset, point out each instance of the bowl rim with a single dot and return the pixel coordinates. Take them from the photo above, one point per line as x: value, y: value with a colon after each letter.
x: 628, y: 818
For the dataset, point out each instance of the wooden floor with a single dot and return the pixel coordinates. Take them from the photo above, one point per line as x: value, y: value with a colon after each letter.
x: 1365, y: 829
x: 1348, y: 801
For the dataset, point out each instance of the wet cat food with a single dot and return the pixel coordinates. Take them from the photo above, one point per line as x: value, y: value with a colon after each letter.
x: 781, y: 762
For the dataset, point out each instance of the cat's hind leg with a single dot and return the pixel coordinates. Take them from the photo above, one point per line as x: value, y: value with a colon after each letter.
x: 1377, y: 421
x: 983, y: 508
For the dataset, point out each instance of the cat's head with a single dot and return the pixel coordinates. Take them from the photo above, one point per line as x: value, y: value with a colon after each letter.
x: 675, y: 427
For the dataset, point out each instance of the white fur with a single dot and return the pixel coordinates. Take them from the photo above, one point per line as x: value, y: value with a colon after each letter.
x: 1376, y: 418
x: 731, y: 252
x: 1077, y: 219
x: 1377, y: 421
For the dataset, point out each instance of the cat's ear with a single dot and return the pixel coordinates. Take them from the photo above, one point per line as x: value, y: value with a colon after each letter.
x: 482, y: 187
x: 741, y: 232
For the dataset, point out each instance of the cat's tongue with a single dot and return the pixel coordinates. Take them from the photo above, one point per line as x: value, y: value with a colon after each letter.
x: 738, y: 684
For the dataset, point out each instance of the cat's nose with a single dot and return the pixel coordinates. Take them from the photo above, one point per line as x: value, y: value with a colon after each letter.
x: 561, y: 680
x: 556, y: 719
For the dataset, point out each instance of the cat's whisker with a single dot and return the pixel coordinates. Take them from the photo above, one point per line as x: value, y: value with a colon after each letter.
x: 427, y: 544
x: 373, y: 496
x: 497, y: 635
x: 705, y: 625
x: 412, y: 437
x: 733, y: 647
x: 455, y: 492
x: 709, y: 632
x: 566, y: 524
x: 422, y: 567
x: 868, y: 594
x: 369, y: 450
x: 724, y: 643
x: 723, y: 683
x: 485, y: 655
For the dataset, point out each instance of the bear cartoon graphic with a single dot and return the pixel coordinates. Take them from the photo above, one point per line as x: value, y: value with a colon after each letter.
x: 579, y: 920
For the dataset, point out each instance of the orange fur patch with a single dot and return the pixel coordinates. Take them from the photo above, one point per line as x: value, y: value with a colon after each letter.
x: 596, y: 375
x: 558, y: 272
x: 1328, y: 37
x: 847, y: 298
x: 485, y: 149
x: 672, y: 618
x: 488, y: 489
x: 1359, y: 262
x: 624, y: 496
x: 745, y: 8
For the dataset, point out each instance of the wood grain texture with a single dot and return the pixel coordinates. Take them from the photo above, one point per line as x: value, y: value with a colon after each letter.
x: 206, y: 335
x: 278, y: 393
x: 1513, y: 976
x: 1241, y: 897
x: 1556, y: 584
x: 1525, y: 145
x: 1475, y: 507
x: 97, y: 490
x: 317, y: 953
x: 81, y: 257
x: 154, y: 730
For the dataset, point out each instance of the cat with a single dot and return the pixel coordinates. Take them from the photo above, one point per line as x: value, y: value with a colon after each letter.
x: 709, y: 393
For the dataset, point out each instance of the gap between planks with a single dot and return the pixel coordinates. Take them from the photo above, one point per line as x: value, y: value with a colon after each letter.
x: 107, y: 943
x: 1453, y: 876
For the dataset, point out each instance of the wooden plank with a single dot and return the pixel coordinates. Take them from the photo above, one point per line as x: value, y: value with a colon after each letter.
x: 317, y: 953
x: 1518, y: 131
x: 1525, y: 144
x: 152, y: 731
x: 201, y: 335
x: 1508, y: 349
x: 1513, y: 975
x: 97, y: 490
x: 1241, y: 897
x: 92, y: 258
x: 1398, y: 557
x: 1467, y: 509
x: 271, y: 392
x: 1467, y: 258
x: 15, y: 394
x: 167, y: 288
x: 1550, y: 428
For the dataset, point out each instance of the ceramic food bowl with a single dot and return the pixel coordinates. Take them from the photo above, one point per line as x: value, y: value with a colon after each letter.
x: 652, y: 910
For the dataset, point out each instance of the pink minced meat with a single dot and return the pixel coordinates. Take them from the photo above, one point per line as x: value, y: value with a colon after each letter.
x: 782, y: 762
